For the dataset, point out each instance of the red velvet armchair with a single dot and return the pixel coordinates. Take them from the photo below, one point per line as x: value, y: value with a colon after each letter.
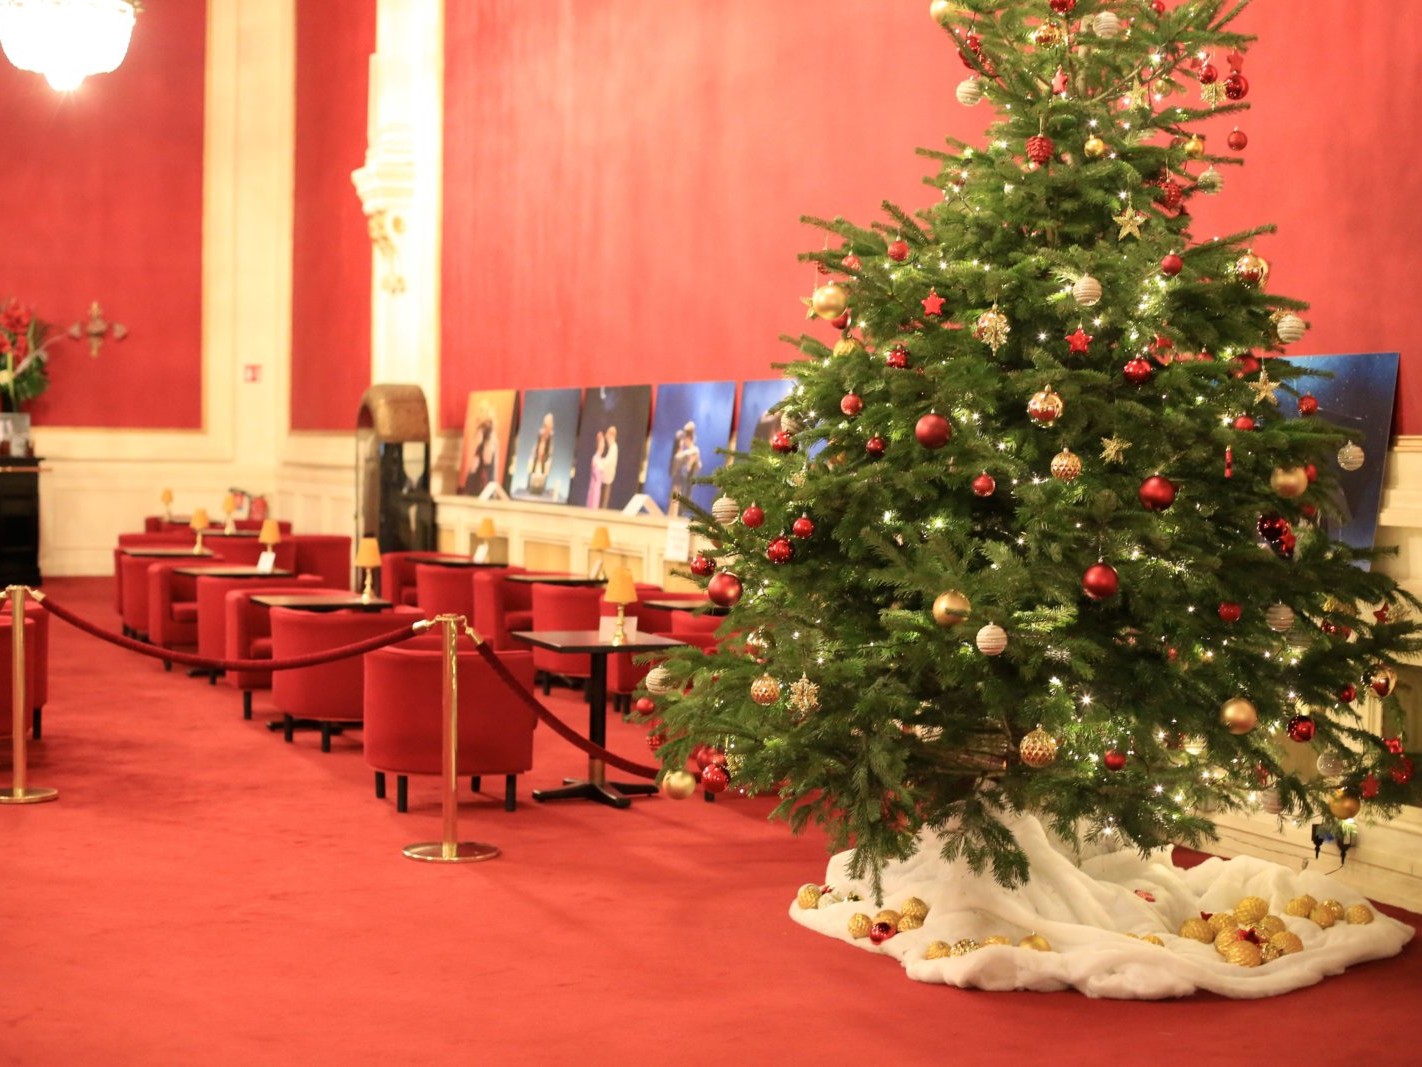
x: 247, y: 634
x: 564, y: 607
x: 445, y: 590
x: 404, y: 717
x: 211, y: 600
x: 397, y: 574
x: 328, y: 556
x: 172, y: 597
x: 172, y: 539
x: 501, y: 606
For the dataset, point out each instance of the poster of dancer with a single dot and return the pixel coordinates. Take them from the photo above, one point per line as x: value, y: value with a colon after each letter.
x: 757, y: 422
x: 488, y: 434
x: 691, y: 426
x: 543, y: 459
x: 613, y: 438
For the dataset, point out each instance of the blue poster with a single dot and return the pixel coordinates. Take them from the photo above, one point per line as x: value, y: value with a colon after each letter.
x: 543, y: 456
x: 756, y: 421
x: 690, y: 429
x: 611, y: 442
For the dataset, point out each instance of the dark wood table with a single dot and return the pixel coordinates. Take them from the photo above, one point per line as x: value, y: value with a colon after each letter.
x: 598, y: 648
x: 703, y: 606
x: 321, y: 601
x: 470, y: 562
x: 555, y: 579
x: 166, y: 553
x: 233, y: 572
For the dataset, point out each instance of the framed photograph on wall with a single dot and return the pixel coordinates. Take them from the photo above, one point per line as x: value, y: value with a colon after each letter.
x: 607, y: 470
x: 543, y: 457
x: 756, y: 421
x: 488, y: 435
x: 691, y: 425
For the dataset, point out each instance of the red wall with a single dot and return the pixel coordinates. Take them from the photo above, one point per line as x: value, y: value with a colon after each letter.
x: 101, y: 191
x: 623, y: 179
x: 330, y: 314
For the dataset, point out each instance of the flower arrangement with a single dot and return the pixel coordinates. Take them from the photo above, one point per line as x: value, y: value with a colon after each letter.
x: 23, y: 341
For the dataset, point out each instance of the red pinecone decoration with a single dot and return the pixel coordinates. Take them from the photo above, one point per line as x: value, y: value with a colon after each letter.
x: 1039, y: 149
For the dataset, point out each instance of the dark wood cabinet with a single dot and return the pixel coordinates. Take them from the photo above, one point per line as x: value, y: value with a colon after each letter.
x: 19, y: 521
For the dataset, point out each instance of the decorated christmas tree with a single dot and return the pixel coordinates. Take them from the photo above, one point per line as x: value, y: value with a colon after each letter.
x: 1039, y: 532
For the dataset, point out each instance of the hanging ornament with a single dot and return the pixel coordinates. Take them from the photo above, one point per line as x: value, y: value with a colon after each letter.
x: 659, y: 680
x: 851, y: 404
x: 841, y: 323
x: 1238, y: 715
x: 1045, y: 407
x: 1156, y: 493
x: 1194, y: 148
x: 1369, y: 786
x: 1301, y: 728
x: 1060, y: 82
x: 1039, y: 149
x: 644, y: 706
x: 991, y: 640
x: 803, y: 527
x: 829, y: 301
x: 1100, y: 581
x: 1172, y: 193
x: 1037, y: 748
x: 951, y: 608
x: 725, y: 510
x: 678, y: 785
x: 765, y: 690
x: 897, y: 357
x: 1393, y: 745
x: 1289, y: 482
x: 898, y: 250
x: 1290, y: 327
x: 1094, y: 147
x: 1350, y: 457
x: 715, y: 778
x: 1171, y: 264
x: 992, y: 328
x: 1383, y: 680
x: 1251, y: 270
x: 847, y: 346
x: 875, y: 446
x: 984, y: 485
x: 1348, y: 694
x: 1280, y: 617
x: 933, y: 304
x: 1114, y: 760
x: 1401, y: 771
x: 1344, y: 805
x: 1129, y: 223
x: 1113, y: 449
x: 1210, y: 181
x: 969, y: 92
x: 850, y: 262
x: 1048, y: 35
x: 804, y: 696
x: 933, y: 430
x: 1236, y: 86
x: 724, y: 590
x: 1086, y: 291
x: 1209, y: 74
x: 1229, y: 611
x: 1066, y: 466
x: 782, y: 442
x: 753, y: 516
x: 703, y: 566
x: 1330, y: 764
x: 1244, y: 422
x: 942, y: 12
x: 1063, y: 7
x: 1106, y: 25
x: 1079, y: 341
x: 1138, y: 370
x: 1237, y: 139
x: 781, y: 550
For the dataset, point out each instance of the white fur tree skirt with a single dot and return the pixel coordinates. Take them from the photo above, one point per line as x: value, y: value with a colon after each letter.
x: 1086, y: 912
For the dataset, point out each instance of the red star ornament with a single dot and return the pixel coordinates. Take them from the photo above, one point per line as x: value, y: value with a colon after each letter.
x: 932, y: 303
x: 1079, y: 341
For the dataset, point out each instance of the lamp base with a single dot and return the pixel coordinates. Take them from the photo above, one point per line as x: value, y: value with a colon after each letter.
x: 451, y: 852
x: 29, y: 795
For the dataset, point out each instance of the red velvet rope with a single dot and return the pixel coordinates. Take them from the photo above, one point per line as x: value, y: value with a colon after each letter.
x: 557, y: 725
x: 187, y: 659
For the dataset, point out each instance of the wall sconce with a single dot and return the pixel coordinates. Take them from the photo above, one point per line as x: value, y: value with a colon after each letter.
x: 386, y: 229
x: 67, y: 40
x: 96, y: 329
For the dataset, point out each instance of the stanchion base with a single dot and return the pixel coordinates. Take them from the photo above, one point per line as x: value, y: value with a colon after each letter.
x: 462, y: 852
x: 31, y: 794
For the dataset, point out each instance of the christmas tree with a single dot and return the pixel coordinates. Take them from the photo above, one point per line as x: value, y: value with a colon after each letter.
x: 1036, y: 535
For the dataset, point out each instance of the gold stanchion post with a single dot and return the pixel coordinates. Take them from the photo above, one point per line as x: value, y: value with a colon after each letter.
x: 451, y: 849
x: 19, y: 792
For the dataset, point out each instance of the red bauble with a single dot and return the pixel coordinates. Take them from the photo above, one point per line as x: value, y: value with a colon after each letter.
x: 1138, y: 371
x: 1402, y: 772
x: 1171, y: 265
x: 875, y: 446
x: 644, y: 706
x: 1172, y: 192
x: 1301, y: 728
x: 1158, y: 6
x: 1100, y: 582
x: 1245, y: 422
x: 897, y: 357
x: 933, y: 430
x: 1348, y: 694
x: 1114, y: 760
x: 881, y: 932
x: 1237, y: 139
x: 1229, y: 611
x: 1039, y: 149
x: 1157, y: 493
x: 898, y: 250
x: 1369, y: 786
x: 840, y: 322
x: 656, y: 741
x: 753, y: 516
x: 1308, y: 404
x: 780, y: 550
x: 852, y: 404
x: 850, y: 262
x: 715, y: 778
x: 1236, y: 86
x: 1393, y: 745
x: 1245, y: 365
x: 1208, y: 74
x: 1062, y: 7
x: 1311, y: 473
x: 803, y: 527
x: 701, y: 756
x: 983, y: 484
x: 724, y: 590
x: 782, y: 442
x: 703, y: 566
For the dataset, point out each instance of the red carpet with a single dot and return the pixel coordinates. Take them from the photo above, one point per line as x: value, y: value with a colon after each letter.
x: 202, y: 892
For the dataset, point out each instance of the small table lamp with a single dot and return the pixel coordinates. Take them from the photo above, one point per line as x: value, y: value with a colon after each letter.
x: 600, y: 543
x: 167, y: 497
x: 368, y: 557
x: 270, y: 536
x: 485, y: 532
x: 199, y: 523
x: 229, y: 508
x: 621, y: 590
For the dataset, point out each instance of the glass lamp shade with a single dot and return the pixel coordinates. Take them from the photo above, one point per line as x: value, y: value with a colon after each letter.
x: 199, y: 519
x: 270, y: 533
x: 66, y: 40
x: 368, y: 553
x: 621, y: 589
x: 485, y: 529
x: 601, y: 541
x: 166, y: 496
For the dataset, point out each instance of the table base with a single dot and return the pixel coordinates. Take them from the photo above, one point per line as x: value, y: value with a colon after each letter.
x: 614, y: 794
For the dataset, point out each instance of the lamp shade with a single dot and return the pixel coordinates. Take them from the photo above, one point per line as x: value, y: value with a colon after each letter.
x: 600, y: 540
x: 621, y: 589
x: 166, y: 496
x: 368, y: 553
x: 199, y: 519
x: 229, y: 504
x: 270, y: 533
x: 485, y: 529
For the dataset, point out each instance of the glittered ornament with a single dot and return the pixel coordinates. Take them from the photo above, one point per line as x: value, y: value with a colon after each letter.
x: 724, y: 590
x: 1239, y: 715
x: 1106, y: 25
x: 678, y: 785
x: 781, y: 550
x: 1036, y: 942
x: 1100, y: 581
x: 851, y: 404
x: 1138, y: 371
x: 659, y: 680
x: 991, y: 640
x: 1358, y: 915
x: 1383, y: 680
x: 992, y: 328
x: 782, y: 442
x: 1039, y: 149
x: 1301, y: 728
x: 1330, y: 764
x: 951, y: 608
x: 859, y: 925
x: 1171, y: 264
x: 1194, y: 148
x: 875, y: 446
x: 897, y: 357
x: 1156, y: 493
x: 963, y: 946
x: 1308, y: 404
x: 1048, y: 35
x: 1114, y: 760
x: 753, y: 516
x: 1236, y: 86
x: 898, y: 250
x: 1066, y: 466
x: 1392, y: 744
x: 804, y: 696
x: 1243, y: 954
x: 829, y: 300
x: 1350, y: 457
x: 703, y: 566
x: 1038, y: 749
x: 932, y: 430
x: 1251, y: 270
x: 1290, y: 327
x: 1086, y: 291
x: 938, y: 950
x: 1289, y: 482
x: 1210, y: 181
x: 725, y: 510
x: 969, y: 92
x: 803, y: 527
x: 1280, y: 617
x: 1342, y: 805
x: 1045, y: 407
x: 847, y: 346
x: 984, y: 485
x: 809, y: 896
x: 1401, y: 771
x: 1062, y: 7
x: 765, y: 690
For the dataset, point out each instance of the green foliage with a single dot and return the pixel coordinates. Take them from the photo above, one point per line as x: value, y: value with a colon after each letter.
x: 914, y: 726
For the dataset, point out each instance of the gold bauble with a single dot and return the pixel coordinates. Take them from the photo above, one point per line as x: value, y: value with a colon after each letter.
x: 888, y: 915
x: 1149, y: 939
x: 1048, y: 35
x: 951, y: 608
x: 1269, y: 953
x: 1336, y: 907
x: 847, y: 346
x: 1066, y: 466
x: 998, y: 939
x: 1197, y: 930
x: 1252, y: 270
x: 992, y: 328
x: 1036, y: 942
x: 964, y: 945
x: 678, y: 784
x: 1223, y: 920
x: 1322, y: 916
x: 765, y: 690
x: 829, y: 300
x: 1359, y: 915
x: 943, y: 12
x: 909, y: 922
x: 1238, y: 715
x: 1250, y: 910
x: 1300, y: 907
x: 859, y: 924
x: 808, y: 896
x: 1195, y: 146
x: 1038, y: 749
x: 1287, y: 942
x: 1269, y: 926
x: 1289, y: 482
x: 915, y: 907
x: 758, y: 644
x: 1344, y: 805
x: 1045, y: 407
x: 1226, y: 939
x: 1243, y: 954
x: 1094, y: 148
x: 938, y: 950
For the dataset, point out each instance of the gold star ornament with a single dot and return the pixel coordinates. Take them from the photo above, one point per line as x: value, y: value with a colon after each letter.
x: 1264, y: 389
x: 1113, y: 449
x: 804, y: 696
x: 1129, y: 221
